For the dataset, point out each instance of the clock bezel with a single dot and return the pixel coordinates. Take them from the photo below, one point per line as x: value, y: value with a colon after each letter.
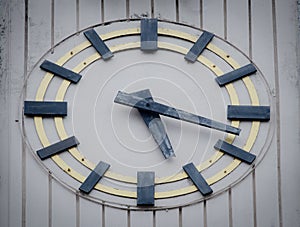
x: 82, y: 65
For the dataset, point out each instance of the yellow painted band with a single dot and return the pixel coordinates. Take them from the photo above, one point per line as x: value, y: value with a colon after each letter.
x: 255, y: 124
x: 75, y: 152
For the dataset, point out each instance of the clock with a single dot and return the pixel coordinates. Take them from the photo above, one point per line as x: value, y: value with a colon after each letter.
x: 195, y: 115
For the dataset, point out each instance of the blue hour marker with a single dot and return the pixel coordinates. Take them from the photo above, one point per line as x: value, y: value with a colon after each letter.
x: 235, y: 151
x: 145, y: 188
x: 248, y: 113
x: 149, y: 34
x: 45, y: 109
x: 57, y: 148
x: 199, y: 46
x: 236, y: 75
x: 60, y: 71
x: 197, y: 179
x: 98, y: 44
x: 94, y: 177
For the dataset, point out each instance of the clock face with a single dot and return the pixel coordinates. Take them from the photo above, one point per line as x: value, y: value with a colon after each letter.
x: 78, y: 129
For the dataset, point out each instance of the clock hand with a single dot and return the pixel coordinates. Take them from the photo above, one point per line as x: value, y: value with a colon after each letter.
x: 168, y: 111
x: 155, y: 125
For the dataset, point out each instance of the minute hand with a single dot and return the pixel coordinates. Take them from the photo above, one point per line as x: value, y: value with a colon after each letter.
x: 168, y: 111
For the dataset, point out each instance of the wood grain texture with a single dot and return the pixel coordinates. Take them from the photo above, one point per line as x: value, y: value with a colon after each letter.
x: 139, y: 8
x: 114, y: 10
x: 264, y: 29
x: 289, y: 99
x: 262, y: 46
x: 89, y: 13
x: 65, y: 19
x: 4, y: 111
x: 63, y: 206
x: 189, y: 12
x: 165, y: 9
x: 213, y: 16
x: 15, y: 75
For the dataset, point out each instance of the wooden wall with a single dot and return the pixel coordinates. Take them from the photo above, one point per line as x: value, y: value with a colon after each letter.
x: 266, y: 30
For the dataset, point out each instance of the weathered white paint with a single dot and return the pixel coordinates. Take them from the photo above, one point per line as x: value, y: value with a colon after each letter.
x: 256, y: 201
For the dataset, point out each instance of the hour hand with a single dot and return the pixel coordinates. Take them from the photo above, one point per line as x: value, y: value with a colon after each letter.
x: 168, y: 111
x: 155, y: 125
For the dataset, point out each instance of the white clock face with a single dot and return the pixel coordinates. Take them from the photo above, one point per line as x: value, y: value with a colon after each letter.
x: 116, y: 134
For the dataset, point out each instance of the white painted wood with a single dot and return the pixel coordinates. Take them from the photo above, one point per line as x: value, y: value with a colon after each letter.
x: 89, y: 13
x: 165, y: 9
x: 37, y: 180
x: 63, y: 206
x: 141, y: 218
x: 189, y: 12
x: 262, y: 38
x: 65, y: 20
x: 238, y: 24
x: 169, y: 217
x: 39, y: 30
x: 114, y: 10
x: 242, y: 203
x: 4, y: 112
x: 115, y: 217
x: 213, y: 16
x: 90, y: 213
x: 63, y: 201
x: 193, y: 215
x: 15, y: 75
x: 289, y: 99
x: 266, y: 190
x: 265, y: 173
x: 218, y: 211
x: 238, y: 34
x: 37, y: 189
x: 139, y: 8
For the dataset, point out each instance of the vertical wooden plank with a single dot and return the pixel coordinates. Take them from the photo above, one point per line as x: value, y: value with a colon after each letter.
x: 89, y: 13
x: 39, y: 30
x: 213, y: 16
x: 111, y: 214
x: 218, y: 211
x: 238, y: 24
x: 193, y: 215
x: 165, y: 9
x: 213, y: 21
x: 262, y: 38
x: 90, y: 213
x: 242, y: 203
x: 289, y: 91
x: 189, y: 12
x: 238, y: 34
x: 64, y: 19
x: 139, y: 8
x: 63, y: 206
x: 37, y: 193
x: 114, y: 9
x: 141, y: 218
x: 267, y: 195
x: 39, y: 41
x: 16, y: 75
x: 263, y: 54
x: 4, y: 114
x: 167, y: 216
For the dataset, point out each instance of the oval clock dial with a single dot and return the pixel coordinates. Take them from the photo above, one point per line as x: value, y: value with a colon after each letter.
x: 147, y: 113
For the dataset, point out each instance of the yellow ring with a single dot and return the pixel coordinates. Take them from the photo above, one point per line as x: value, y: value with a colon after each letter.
x: 75, y: 153
x: 62, y: 133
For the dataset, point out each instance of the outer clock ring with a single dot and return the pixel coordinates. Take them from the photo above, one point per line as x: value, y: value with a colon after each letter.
x: 64, y: 86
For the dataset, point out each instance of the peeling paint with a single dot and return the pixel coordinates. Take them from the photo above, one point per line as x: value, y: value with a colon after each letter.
x: 3, y: 49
